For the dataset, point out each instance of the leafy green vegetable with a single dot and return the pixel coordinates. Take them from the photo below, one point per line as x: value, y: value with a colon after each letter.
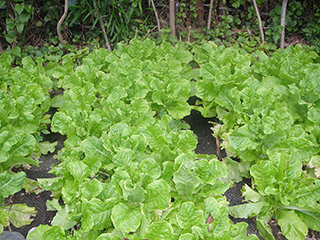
x: 128, y: 168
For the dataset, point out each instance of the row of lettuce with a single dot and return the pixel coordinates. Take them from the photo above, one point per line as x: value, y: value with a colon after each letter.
x: 128, y: 169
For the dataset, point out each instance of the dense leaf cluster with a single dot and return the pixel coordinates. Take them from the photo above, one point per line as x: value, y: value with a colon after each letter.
x: 269, y: 109
x: 128, y: 168
x: 24, y: 100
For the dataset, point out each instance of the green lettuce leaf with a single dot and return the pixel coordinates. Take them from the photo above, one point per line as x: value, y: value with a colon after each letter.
x: 189, y: 216
x: 291, y: 225
x: 10, y: 183
x: 126, y: 218
x: 20, y: 214
x: 159, y: 231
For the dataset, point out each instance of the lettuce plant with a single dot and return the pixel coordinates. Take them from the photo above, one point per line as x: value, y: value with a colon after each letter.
x: 24, y: 100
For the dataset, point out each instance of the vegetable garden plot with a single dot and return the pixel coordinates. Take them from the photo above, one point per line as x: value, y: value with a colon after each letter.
x: 129, y: 170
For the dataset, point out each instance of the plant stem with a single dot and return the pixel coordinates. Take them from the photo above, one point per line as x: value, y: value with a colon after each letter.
x: 283, y: 22
x: 102, y: 27
x: 259, y: 19
x: 156, y: 14
x: 61, y: 21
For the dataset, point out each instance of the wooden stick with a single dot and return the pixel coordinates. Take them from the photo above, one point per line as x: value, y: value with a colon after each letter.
x: 259, y: 19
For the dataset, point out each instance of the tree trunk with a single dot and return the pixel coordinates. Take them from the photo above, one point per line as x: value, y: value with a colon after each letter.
x: 172, y: 17
x: 283, y: 21
x: 210, y: 13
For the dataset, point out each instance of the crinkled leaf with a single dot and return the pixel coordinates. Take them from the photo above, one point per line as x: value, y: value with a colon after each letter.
x: 264, y: 175
x: 235, y: 170
x: 157, y: 138
x: 98, y: 214
x: 91, y: 189
x: 149, y: 171
x: 10, y: 184
x: 58, y: 101
x: 108, y: 236
x: 178, y: 110
x: 134, y: 193
x: 123, y: 158
x: 79, y: 170
x: 24, y: 146
x: 61, y: 219
x: 210, y: 171
x: 221, y: 222
x: 242, y: 138
x: 62, y: 123
x: 189, y: 216
x: 93, y: 148
x: 159, y: 231
x: 46, y: 147
x: 225, y: 98
x: 187, y: 141
x: 54, y: 233
x: 125, y: 218
x: 187, y: 236
x: 38, y: 232
x: 157, y: 195
x: 239, y: 231
x: 185, y: 182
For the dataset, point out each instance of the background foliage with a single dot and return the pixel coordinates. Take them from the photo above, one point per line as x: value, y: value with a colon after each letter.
x: 232, y: 22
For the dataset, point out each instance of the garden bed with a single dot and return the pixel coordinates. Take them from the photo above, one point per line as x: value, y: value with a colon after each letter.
x: 129, y: 168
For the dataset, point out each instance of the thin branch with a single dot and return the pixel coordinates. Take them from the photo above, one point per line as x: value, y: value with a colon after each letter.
x: 156, y: 14
x: 283, y: 22
x: 102, y: 26
x: 61, y: 21
x: 259, y: 19
x: 250, y: 33
x: 210, y: 13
